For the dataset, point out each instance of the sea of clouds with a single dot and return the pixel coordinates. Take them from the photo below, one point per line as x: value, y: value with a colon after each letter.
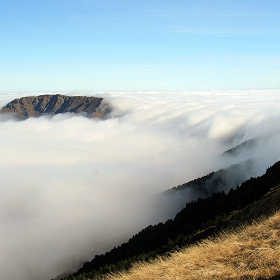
x: 73, y: 187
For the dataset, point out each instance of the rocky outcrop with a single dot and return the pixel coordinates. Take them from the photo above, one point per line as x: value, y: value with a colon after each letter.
x: 35, y: 106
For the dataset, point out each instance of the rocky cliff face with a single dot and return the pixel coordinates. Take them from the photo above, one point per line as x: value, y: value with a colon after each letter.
x: 35, y: 106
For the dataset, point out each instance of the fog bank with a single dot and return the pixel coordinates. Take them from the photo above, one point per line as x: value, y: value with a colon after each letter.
x: 73, y: 187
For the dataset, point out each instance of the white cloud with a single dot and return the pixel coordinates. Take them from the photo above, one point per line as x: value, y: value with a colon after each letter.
x: 72, y: 187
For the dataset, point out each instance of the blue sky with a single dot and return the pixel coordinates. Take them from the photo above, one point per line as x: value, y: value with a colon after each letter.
x: 65, y: 45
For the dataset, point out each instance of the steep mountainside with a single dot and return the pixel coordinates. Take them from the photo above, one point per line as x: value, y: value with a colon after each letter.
x: 196, y: 221
x: 35, y: 106
x: 247, y: 252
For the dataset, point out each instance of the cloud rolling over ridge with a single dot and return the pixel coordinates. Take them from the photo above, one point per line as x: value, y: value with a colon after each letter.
x: 73, y: 187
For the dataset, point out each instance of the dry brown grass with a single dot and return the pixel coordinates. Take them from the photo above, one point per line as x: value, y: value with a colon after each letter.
x: 251, y: 252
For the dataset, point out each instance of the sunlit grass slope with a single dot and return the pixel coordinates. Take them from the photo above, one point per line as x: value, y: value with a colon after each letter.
x: 250, y: 252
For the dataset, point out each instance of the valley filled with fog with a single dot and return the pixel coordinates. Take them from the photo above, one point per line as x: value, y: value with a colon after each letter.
x: 73, y: 187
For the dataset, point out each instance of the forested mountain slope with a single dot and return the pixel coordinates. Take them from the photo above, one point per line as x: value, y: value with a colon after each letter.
x: 197, y: 220
x: 221, y: 180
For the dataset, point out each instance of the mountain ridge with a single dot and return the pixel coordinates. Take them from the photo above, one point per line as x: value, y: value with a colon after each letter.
x: 52, y: 104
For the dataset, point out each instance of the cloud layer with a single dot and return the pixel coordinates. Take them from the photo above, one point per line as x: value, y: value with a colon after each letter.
x: 73, y: 187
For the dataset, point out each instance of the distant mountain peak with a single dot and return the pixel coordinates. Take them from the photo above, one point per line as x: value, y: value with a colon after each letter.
x: 48, y: 104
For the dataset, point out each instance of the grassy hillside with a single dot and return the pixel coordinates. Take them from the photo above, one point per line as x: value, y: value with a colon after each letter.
x: 199, y: 219
x: 251, y: 252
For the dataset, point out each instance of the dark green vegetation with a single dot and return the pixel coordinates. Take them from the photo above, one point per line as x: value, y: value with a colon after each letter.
x: 221, y: 180
x: 199, y: 219
x: 35, y: 106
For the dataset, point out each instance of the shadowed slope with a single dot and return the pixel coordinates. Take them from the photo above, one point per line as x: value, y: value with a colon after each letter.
x: 250, y: 145
x: 221, y: 180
